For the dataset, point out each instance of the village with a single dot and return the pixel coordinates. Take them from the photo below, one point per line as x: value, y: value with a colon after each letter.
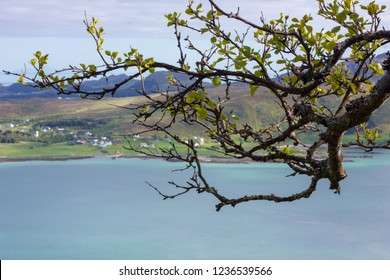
x: 24, y: 131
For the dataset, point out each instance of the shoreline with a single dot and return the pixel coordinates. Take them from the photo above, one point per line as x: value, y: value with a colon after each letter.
x: 203, y: 158
x: 22, y: 159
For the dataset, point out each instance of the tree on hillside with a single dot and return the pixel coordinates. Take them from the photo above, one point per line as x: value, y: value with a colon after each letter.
x: 298, y: 65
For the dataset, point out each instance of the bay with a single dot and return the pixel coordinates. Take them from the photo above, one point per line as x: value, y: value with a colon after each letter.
x: 103, y: 209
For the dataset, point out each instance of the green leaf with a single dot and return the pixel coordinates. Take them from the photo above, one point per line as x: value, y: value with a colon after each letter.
x: 201, y: 95
x: 240, y: 63
x: 377, y: 68
x: 353, y: 87
x: 212, y: 132
x: 329, y: 46
x: 217, y: 61
x: 170, y: 79
x: 235, y: 117
x: 372, y: 8
x: 336, y: 29
x: 341, y: 16
x: 259, y: 73
x: 298, y: 58
x: 38, y: 54
x: 247, y: 52
x: 253, y: 89
x: 211, y: 104
x: 201, y: 113
x: 195, y: 96
x: 328, y: 37
x: 286, y: 150
x: 204, y: 30
x: 210, y: 14
x: 44, y: 59
x: 335, y: 8
x: 100, y: 42
x: 92, y: 68
x: 216, y: 81
x: 189, y: 11
x: 294, y: 79
x: 21, y: 80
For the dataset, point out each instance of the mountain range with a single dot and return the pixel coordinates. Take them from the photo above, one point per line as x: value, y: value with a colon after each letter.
x: 153, y: 83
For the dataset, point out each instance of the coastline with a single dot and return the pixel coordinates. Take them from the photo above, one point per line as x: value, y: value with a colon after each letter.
x: 21, y: 159
x: 203, y: 158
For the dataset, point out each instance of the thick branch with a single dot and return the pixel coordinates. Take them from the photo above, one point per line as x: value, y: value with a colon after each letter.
x: 274, y: 198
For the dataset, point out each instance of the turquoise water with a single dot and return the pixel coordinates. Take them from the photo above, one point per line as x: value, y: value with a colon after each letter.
x: 103, y: 209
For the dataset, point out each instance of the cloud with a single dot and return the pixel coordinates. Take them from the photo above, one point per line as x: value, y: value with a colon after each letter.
x: 21, y: 18
x: 58, y: 17
x: 56, y: 26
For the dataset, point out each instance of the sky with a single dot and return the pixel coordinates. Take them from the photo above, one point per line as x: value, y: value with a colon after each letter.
x: 56, y: 27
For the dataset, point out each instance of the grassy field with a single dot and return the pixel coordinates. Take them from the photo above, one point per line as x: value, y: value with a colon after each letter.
x: 259, y: 110
x: 38, y: 150
x: 34, y: 150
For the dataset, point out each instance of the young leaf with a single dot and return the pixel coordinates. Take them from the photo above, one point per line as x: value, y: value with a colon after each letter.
x: 253, y: 89
x: 286, y: 150
x: 21, y: 80
x: 216, y: 81
x: 92, y: 68
x: 377, y: 68
x: 201, y: 113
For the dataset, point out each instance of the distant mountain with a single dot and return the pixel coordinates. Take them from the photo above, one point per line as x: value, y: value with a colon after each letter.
x: 19, y: 91
x: 353, y: 67
x: 154, y: 83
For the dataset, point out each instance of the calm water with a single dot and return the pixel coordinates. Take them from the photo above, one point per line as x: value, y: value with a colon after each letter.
x: 103, y: 209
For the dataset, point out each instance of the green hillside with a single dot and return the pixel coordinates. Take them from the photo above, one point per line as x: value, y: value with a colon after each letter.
x: 56, y: 122
x: 259, y: 110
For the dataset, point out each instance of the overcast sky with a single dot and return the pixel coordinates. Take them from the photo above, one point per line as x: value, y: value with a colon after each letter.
x: 56, y: 27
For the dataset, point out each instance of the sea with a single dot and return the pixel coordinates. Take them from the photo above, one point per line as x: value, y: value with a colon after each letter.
x: 104, y: 209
